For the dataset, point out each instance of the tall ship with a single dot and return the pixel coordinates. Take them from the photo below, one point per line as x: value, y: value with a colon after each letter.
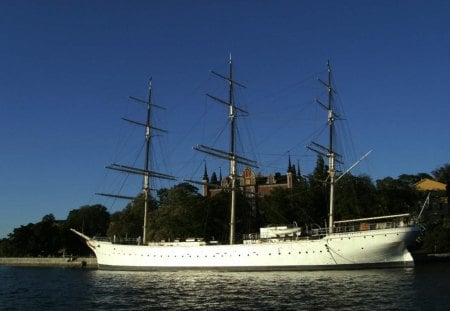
x: 345, y: 244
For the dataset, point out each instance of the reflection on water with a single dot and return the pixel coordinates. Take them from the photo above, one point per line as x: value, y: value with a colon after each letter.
x: 419, y: 288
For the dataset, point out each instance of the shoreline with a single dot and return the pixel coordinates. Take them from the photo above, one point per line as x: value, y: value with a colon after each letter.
x: 67, y: 262
x: 91, y: 262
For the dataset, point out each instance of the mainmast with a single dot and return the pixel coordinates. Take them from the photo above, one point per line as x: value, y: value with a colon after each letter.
x: 231, y: 155
x: 146, y: 172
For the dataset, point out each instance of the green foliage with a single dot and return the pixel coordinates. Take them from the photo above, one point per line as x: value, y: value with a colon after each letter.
x: 396, y: 196
x: 318, y: 192
x: 179, y: 216
x: 128, y: 223
x: 285, y: 206
x: 436, y: 240
x: 92, y: 220
x: 356, y: 197
x: 442, y: 173
x: 217, y: 217
x: 40, y: 239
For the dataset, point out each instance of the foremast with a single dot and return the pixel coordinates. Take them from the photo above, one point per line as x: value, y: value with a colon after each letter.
x: 329, y: 151
x: 145, y: 172
x: 231, y: 155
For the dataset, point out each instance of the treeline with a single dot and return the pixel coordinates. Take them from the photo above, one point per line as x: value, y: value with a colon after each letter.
x: 181, y: 212
x: 51, y: 237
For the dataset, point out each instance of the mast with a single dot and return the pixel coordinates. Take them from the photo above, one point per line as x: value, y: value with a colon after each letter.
x: 231, y: 155
x: 146, y: 172
x: 331, y: 154
x: 146, y: 189
x: 329, y: 151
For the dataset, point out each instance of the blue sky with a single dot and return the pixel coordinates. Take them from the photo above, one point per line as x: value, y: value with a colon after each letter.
x: 68, y: 67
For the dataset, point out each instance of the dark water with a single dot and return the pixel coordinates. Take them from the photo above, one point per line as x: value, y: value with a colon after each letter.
x: 425, y: 287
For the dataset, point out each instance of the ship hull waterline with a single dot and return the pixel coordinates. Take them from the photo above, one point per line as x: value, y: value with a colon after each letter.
x: 354, y: 250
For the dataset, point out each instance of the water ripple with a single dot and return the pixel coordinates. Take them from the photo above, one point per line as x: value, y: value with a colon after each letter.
x: 421, y: 288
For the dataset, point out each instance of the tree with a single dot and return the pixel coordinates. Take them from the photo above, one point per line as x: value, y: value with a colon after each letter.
x: 409, y: 179
x: 6, y: 249
x: 436, y: 240
x: 396, y: 196
x: 128, y: 223
x: 442, y: 173
x: 47, y: 235
x: 180, y: 214
x: 217, y: 217
x: 284, y: 206
x: 318, y: 192
x: 22, y: 241
x: 356, y: 197
x: 40, y: 239
x: 92, y: 220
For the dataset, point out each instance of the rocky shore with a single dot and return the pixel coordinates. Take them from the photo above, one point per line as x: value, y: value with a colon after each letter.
x: 67, y: 262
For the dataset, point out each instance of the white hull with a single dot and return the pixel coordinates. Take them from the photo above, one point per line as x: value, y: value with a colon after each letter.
x: 360, y: 249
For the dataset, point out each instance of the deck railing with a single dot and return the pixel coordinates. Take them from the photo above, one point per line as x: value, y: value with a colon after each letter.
x: 357, y: 225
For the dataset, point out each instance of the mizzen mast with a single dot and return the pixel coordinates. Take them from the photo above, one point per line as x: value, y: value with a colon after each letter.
x: 231, y: 155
